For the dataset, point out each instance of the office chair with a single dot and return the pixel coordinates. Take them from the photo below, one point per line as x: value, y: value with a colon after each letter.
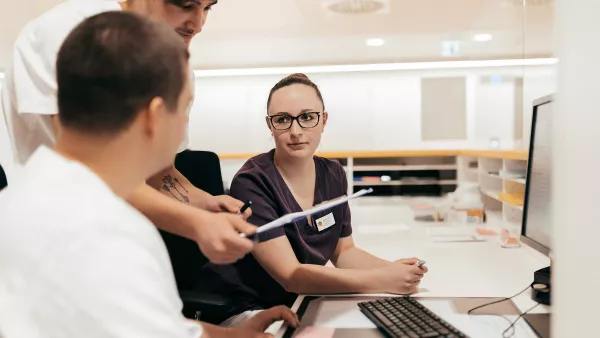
x: 3, y: 181
x: 203, y: 170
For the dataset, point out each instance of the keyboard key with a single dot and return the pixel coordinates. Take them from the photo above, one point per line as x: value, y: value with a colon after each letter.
x: 382, y: 318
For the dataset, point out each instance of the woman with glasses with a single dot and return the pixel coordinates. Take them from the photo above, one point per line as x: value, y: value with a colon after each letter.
x: 291, y: 260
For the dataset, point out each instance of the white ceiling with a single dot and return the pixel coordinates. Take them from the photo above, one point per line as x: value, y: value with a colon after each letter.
x: 268, y: 33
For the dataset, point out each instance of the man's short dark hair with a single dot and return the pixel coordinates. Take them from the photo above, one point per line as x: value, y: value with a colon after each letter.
x: 112, y: 65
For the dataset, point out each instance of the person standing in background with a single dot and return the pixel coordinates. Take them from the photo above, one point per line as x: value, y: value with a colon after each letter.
x: 29, y: 105
x: 76, y: 260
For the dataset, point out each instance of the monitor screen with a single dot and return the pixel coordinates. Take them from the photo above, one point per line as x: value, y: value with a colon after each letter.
x: 536, y: 230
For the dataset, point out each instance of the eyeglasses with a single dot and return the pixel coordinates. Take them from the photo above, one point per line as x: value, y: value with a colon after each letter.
x: 305, y: 120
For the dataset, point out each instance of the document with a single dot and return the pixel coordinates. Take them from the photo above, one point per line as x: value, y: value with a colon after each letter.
x: 293, y: 217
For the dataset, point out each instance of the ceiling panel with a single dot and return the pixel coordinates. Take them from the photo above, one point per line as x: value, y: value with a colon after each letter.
x: 266, y: 33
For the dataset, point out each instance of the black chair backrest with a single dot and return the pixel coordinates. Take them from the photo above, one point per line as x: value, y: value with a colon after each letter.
x: 3, y: 181
x: 203, y: 170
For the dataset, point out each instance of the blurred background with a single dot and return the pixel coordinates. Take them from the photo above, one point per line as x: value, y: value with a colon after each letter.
x: 413, y: 77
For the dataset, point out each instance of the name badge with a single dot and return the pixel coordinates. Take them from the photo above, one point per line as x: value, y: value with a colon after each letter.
x: 325, y: 222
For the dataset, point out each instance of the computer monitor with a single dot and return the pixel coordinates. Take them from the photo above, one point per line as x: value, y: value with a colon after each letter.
x: 536, y: 229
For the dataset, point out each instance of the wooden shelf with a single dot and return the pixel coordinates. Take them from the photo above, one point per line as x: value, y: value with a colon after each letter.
x: 452, y: 164
x: 492, y: 194
x: 499, y: 154
x: 515, y: 180
x: 495, y: 195
x: 405, y: 183
x: 405, y: 167
x: 510, y: 179
x: 521, y: 155
x: 492, y: 175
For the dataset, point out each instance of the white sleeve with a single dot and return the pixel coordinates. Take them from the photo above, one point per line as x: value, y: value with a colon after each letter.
x: 34, y: 64
x: 186, y: 138
x: 125, y: 291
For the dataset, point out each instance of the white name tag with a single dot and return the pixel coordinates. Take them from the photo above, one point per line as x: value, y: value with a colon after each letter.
x: 325, y: 222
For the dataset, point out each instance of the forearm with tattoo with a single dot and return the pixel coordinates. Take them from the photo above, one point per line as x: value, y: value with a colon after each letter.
x: 172, y: 185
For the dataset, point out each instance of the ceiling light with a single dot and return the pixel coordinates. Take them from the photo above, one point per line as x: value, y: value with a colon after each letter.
x: 356, y: 6
x: 376, y: 67
x: 523, y: 3
x: 482, y: 37
x: 377, y: 42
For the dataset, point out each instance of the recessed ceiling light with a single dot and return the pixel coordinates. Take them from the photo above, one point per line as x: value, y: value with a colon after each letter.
x: 482, y: 37
x: 375, y: 42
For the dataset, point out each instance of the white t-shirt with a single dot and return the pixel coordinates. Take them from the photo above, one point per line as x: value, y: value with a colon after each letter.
x: 29, y: 96
x: 78, y: 261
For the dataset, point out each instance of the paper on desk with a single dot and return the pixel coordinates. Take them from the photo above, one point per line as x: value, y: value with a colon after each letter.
x: 316, y: 332
x: 381, y: 228
x: 290, y: 218
x: 452, y: 234
x: 341, y: 313
x: 456, y: 238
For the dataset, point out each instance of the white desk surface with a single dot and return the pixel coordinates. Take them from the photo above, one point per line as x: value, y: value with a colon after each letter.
x: 457, y: 269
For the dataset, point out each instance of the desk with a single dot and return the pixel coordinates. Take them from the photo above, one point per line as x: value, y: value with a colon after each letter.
x: 477, y: 269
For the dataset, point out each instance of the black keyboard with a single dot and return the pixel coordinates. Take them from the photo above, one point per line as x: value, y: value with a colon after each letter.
x: 406, y: 318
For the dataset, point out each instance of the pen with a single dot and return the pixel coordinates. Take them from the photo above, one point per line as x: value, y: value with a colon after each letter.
x: 420, y: 263
x: 245, y: 207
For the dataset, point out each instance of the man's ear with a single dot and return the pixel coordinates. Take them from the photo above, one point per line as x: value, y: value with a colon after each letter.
x: 325, y: 118
x: 152, y: 116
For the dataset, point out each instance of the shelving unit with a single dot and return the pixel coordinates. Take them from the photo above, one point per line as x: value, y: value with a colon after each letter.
x: 492, y: 184
x: 404, y: 167
x: 430, y: 173
x: 400, y: 183
x: 406, y: 174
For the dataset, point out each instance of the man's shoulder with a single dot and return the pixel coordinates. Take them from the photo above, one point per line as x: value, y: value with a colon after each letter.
x: 48, y: 30
x: 44, y: 222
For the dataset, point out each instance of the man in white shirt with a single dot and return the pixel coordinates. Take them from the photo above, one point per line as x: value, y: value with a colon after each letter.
x: 76, y: 260
x: 29, y: 105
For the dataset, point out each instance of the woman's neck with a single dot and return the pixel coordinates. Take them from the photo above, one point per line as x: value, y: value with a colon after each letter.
x: 294, y: 167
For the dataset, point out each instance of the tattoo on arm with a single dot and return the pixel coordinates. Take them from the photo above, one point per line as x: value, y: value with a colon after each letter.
x: 170, y: 183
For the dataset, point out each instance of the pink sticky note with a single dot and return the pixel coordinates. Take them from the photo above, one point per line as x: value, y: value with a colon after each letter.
x: 486, y: 232
x: 316, y: 332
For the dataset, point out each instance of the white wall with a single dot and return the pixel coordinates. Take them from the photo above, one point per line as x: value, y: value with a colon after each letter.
x: 575, y: 163
x: 368, y: 110
x: 534, y: 87
x: 495, y: 112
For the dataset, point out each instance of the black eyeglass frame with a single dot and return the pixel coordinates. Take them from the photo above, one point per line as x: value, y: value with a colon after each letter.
x: 295, y: 118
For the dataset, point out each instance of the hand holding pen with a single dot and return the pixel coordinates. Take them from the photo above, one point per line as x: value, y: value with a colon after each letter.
x: 245, y: 207
x: 225, y: 203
